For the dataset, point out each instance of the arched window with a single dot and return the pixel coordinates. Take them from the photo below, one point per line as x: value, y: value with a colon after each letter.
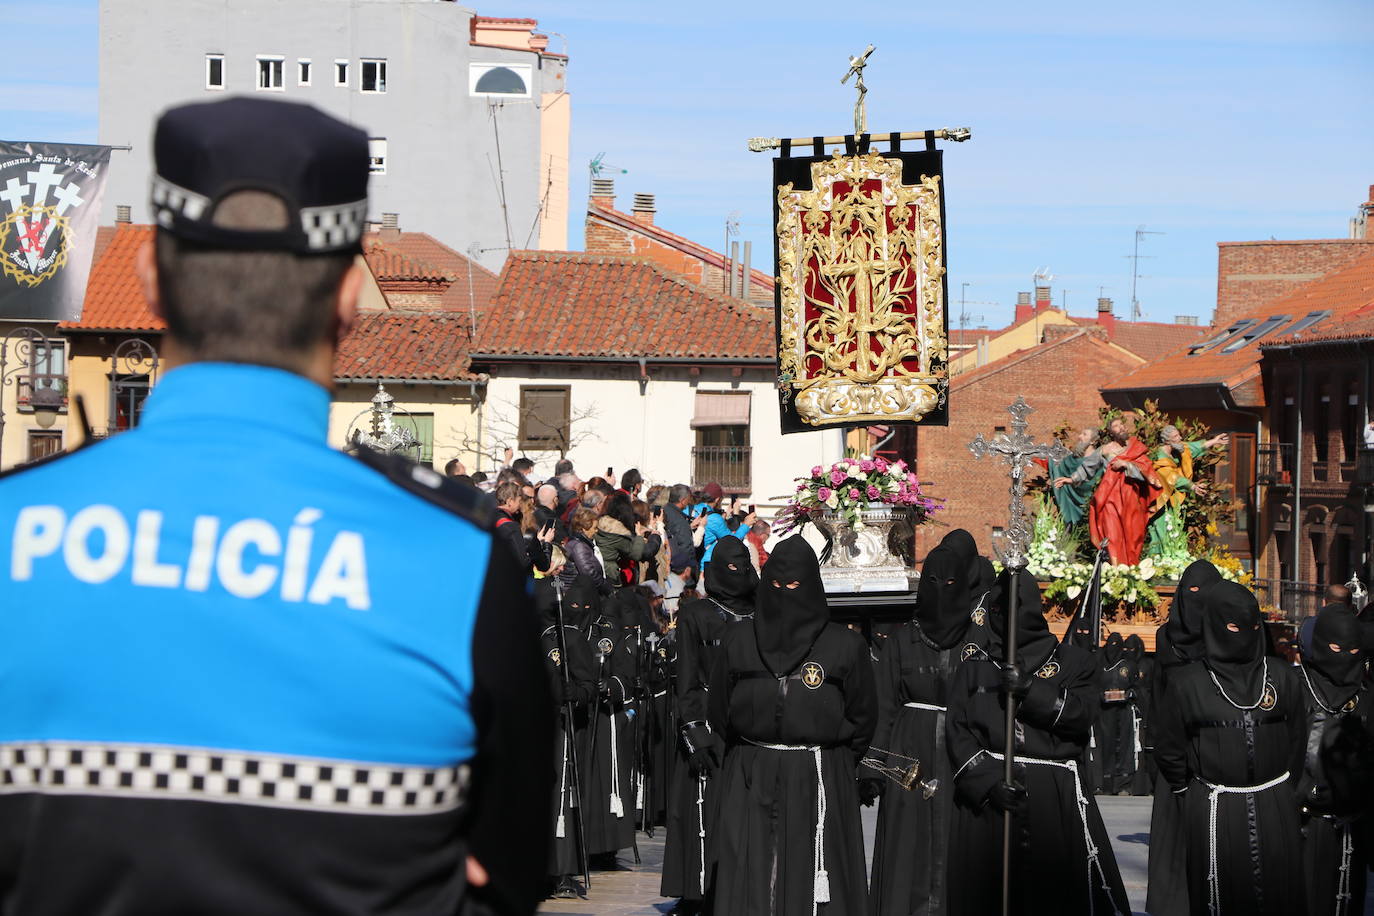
x: 501, y: 80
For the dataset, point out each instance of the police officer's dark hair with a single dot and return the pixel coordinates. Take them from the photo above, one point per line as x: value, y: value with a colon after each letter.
x: 263, y: 307
x: 631, y: 479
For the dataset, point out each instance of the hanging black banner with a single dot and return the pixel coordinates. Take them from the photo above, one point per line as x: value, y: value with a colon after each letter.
x: 49, y: 210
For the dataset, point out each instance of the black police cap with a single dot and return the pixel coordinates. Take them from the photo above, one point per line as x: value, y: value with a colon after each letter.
x: 316, y: 164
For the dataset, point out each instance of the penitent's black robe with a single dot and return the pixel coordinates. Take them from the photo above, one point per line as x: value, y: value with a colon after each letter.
x: 911, y: 846
x: 767, y: 801
x: 659, y: 724
x: 580, y: 690
x: 1202, y: 737
x: 701, y: 624
x: 607, y: 789
x: 1116, y: 680
x: 1054, y: 870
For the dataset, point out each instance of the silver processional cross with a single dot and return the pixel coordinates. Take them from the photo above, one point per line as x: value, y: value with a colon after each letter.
x: 1017, y: 449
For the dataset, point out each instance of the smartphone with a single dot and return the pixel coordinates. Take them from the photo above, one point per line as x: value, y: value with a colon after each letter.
x: 657, y: 511
x: 753, y: 510
x: 610, y: 474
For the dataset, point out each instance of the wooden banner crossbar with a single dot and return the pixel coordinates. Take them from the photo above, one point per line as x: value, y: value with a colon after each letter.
x: 953, y: 134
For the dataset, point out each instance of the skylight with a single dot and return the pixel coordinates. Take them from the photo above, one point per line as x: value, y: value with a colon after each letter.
x: 1225, y: 335
x: 1256, y: 332
x: 1305, y: 322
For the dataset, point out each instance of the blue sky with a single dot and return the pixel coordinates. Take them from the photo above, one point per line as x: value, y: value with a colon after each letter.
x: 1206, y: 121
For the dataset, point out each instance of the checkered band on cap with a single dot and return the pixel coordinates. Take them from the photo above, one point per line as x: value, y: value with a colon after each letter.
x: 334, y: 228
x: 198, y: 774
x: 170, y: 200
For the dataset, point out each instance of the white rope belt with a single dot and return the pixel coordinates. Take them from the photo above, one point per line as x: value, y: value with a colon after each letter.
x: 563, y: 792
x: 1343, y: 884
x: 1213, y: 792
x: 701, y: 833
x: 928, y: 706
x: 617, y: 806
x: 821, y: 890
x: 1094, y: 865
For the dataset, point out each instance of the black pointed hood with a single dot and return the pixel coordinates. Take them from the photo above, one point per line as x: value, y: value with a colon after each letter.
x: 1336, y: 673
x: 1133, y: 648
x: 1034, y: 641
x: 581, y: 603
x: 1112, y: 650
x: 1184, y: 626
x: 1234, y: 656
x: 787, y: 621
x: 943, y: 595
x: 730, y: 578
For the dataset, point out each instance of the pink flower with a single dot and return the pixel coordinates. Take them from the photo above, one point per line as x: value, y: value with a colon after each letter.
x: 899, y: 465
x: 823, y: 494
x: 801, y: 487
x: 816, y: 471
x: 911, y: 479
x: 837, y: 477
x: 880, y: 464
x: 873, y: 493
x: 866, y: 465
x: 853, y: 492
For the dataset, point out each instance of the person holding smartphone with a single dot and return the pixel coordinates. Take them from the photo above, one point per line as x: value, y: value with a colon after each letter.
x: 718, y: 524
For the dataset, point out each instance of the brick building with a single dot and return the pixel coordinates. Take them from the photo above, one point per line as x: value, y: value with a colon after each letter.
x: 1250, y: 274
x: 611, y: 231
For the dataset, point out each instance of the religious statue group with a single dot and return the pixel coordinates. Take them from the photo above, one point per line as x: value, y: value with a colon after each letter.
x: 1126, y: 491
x: 763, y: 727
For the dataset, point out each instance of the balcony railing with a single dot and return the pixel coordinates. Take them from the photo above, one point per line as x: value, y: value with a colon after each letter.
x: 728, y: 465
x: 1274, y: 464
x: 1297, y: 600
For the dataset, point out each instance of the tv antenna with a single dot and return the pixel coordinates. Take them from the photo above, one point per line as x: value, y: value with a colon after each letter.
x: 1136, y: 256
x: 965, y: 319
x: 599, y: 167
x: 1042, y: 277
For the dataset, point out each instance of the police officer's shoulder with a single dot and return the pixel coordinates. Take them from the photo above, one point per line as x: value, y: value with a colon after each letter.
x: 461, y: 499
x: 47, y: 460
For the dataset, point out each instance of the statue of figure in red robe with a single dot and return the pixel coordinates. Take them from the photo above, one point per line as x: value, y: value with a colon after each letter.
x: 1122, y: 503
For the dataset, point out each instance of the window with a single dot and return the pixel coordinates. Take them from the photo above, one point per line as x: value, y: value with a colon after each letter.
x: 214, y: 71
x: 46, y: 375
x: 503, y: 80
x: 340, y: 73
x: 303, y: 72
x: 376, y: 155
x: 44, y: 442
x: 545, y: 417
x: 1306, y: 321
x: 421, y: 426
x: 1211, y: 342
x: 127, y: 394
x: 270, y: 73
x: 373, y: 75
x: 1255, y: 333
x: 722, y: 451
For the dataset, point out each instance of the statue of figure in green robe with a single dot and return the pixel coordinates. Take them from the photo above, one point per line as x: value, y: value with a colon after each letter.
x: 1075, y: 477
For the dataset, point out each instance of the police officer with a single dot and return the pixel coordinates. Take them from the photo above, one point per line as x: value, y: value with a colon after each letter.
x: 240, y: 671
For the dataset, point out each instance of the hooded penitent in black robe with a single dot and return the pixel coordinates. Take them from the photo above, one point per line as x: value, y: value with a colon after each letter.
x: 1062, y: 862
x: 1338, y: 766
x: 609, y: 810
x: 911, y: 849
x: 1178, y: 641
x: 580, y: 691
x: 659, y: 726
x: 1143, y: 780
x: 795, y: 695
x: 730, y: 596
x: 1230, y: 735
x: 1116, y: 678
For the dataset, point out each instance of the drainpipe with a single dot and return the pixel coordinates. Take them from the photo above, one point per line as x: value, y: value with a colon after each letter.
x: 1297, y: 488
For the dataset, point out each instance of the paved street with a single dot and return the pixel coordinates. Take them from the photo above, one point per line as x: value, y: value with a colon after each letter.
x: 635, y: 892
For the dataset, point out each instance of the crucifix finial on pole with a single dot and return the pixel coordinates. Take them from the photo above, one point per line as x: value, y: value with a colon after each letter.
x: 856, y: 70
x: 1017, y: 449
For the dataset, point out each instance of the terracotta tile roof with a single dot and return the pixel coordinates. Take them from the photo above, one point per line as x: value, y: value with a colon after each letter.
x: 1151, y: 339
x: 1344, y: 292
x: 964, y: 379
x: 570, y: 304
x: 425, y: 257
x: 114, y: 300
x: 1353, y: 287
x: 418, y: 345
x: 673, y: 240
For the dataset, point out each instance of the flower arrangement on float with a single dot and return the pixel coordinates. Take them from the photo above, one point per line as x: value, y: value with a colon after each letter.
x: 853, y: 485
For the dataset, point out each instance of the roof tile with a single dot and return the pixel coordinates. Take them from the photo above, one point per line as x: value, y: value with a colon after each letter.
x: 114, y: 298
x: 415, y: 345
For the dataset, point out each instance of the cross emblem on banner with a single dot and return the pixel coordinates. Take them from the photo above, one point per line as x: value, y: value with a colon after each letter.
x: 1017, y: 449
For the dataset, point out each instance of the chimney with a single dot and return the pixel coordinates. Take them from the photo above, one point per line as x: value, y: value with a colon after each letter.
x: 123, y: 213
x: 603, y: 193
x: 746, y: 276
x: 1366, y: 217
x: 1023, y: 307
x: 1105, y: 317
x: 1042, y: 298
x: 643, y: 209
x: 391, y: 225
x: 731, y: 289
x: 1190, y: 320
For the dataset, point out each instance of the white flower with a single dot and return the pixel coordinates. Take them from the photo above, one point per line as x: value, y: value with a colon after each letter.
x: 1073, y: 592
x: 833, y: 501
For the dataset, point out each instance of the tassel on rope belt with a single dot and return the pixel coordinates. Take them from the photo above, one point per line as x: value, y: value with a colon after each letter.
x: 929, y: 706
x: 1213, y: 793
x: 1094, y: 865
x: 821, y: 888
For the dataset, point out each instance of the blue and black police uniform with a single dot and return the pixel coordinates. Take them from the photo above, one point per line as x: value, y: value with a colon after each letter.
x: 244, y: 673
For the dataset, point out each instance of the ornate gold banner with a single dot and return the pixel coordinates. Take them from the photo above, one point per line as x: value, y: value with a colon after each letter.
x: 861, y: 289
